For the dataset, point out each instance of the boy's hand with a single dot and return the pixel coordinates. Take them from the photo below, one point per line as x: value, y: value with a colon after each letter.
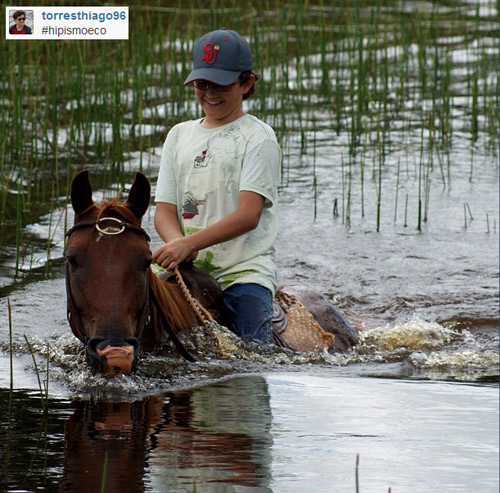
x: 171, y: 254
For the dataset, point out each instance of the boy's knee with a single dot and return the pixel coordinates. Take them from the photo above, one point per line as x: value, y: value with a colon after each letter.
x: 249, y: 311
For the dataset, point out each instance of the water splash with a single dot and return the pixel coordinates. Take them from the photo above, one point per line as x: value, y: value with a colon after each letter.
x: 420, y: 349
x: 218, y: 353
x: 415, y: 334
x: 430, y: 350
x: 463, y: 360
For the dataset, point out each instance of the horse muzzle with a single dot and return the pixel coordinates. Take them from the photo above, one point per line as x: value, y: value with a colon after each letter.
x: 113, y: 357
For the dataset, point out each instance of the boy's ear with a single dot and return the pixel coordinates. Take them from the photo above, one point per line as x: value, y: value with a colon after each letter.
x: 251, y: 81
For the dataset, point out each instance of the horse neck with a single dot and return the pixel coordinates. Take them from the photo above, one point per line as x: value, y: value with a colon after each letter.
x: 174, y: 306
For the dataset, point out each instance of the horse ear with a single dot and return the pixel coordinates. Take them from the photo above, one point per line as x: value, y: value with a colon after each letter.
x: 81, y: 192
x: 139, y: 195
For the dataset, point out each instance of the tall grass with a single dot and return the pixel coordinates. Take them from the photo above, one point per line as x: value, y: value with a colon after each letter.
x: 347, y: 69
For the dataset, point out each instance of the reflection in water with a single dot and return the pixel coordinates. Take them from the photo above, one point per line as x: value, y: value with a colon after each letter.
x: 413, y: 436
x: 106, y: 445
x: 225, y: 439
x: 200, y: 439
x: 31, y: 442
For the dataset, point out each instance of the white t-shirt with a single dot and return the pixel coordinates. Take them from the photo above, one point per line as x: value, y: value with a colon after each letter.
x: 202, y: 172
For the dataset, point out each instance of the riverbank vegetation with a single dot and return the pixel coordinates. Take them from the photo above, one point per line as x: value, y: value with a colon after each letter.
x: 377, y: 90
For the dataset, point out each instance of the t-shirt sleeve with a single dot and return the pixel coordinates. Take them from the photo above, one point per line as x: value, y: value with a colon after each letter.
x: 166, y: 185
x: 261, y: 171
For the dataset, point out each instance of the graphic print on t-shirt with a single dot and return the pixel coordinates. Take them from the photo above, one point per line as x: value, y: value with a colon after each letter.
x: 190, y: 206
x: 200, y: 161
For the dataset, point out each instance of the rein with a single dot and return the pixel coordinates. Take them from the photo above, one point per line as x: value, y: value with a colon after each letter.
x: 74, y: 318
x: 171, y: 332
x: 73, y: 315
x: 204, y: 316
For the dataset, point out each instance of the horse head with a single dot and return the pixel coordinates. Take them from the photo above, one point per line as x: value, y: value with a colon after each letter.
x: 107, y: 274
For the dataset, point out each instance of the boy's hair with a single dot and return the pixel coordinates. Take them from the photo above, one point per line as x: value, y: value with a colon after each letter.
x: 18, y: 13
x: 244, y: 77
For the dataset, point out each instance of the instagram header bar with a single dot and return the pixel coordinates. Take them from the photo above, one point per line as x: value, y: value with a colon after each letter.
x: 66, y: 22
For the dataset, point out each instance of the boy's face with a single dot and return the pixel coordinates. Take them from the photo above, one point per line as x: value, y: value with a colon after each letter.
x: 221, y: 107
x: 20, y: 22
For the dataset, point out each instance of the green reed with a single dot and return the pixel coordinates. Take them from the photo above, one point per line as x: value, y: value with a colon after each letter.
x: 397, y: 192
x: 43, y: 388
x: 381, y: 153
x: 41, y: 447
x: 8, y: 439
x: 348, y: 68
x: 11, y: 352
x: 105, y: 472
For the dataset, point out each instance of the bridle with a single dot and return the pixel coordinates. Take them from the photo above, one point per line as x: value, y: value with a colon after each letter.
x: 123, y: 226
x: 74, y: 317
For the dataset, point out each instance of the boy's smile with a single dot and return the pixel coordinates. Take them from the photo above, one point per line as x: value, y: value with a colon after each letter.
x: 212, y: 102
x: 222, y: 106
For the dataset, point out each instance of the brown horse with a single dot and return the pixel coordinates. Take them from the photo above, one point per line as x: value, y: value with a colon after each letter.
x: 117, y: 305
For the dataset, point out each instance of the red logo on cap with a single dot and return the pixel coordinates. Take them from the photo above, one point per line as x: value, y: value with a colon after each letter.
x: 210, y: 51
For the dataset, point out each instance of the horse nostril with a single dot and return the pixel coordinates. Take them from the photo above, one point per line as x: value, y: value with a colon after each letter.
x: 93, y: 359
x: 134, y: 342
x: 94, y: 344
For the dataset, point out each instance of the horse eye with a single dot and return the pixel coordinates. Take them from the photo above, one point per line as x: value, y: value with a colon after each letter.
x: 71, y: 259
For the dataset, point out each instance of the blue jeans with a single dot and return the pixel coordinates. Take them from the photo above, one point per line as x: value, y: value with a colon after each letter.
x: 249, y: 308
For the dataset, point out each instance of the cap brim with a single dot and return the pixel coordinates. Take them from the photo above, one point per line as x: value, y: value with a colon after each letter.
x: 217, y: 76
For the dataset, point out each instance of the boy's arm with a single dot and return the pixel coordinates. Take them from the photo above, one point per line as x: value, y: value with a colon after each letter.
x: 244, y: 219
x: 166, y: 222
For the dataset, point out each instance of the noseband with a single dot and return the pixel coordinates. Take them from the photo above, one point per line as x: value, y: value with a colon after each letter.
x: 74, y: 318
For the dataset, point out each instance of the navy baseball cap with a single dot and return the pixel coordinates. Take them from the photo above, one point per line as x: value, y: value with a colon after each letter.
x: 220, y: 57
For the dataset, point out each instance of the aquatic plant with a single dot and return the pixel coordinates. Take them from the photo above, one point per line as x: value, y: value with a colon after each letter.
x: 43, y: 388
x: 11, y: 352
x: 356, y: 79
x: 11, y: 389
x: 104, y: 475
x: 42, y: 437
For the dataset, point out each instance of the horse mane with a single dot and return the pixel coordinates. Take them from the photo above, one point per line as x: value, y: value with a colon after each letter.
x: 175, y: 307
x: 105, y: 208
x: 113, y: 207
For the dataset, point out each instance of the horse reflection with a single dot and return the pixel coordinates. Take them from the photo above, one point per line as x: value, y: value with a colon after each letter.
x: 105, y: 446
x: 198, y: 439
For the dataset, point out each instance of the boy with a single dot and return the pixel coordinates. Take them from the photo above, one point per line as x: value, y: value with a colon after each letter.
x: 216, y: 196
x: 19, y: 27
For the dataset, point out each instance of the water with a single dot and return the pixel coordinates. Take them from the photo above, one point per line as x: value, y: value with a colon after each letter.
x: 417, y: 399
x: 406, y: 434
x: 258, y: 433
